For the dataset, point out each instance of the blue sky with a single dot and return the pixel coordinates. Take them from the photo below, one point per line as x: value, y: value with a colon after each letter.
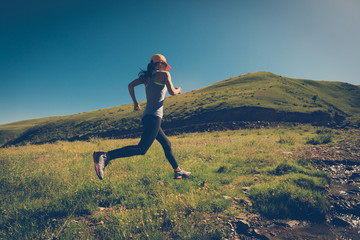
x: 61, y: 57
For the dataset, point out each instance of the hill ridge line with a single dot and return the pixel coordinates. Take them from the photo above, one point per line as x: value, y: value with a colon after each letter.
x: 259, y: 96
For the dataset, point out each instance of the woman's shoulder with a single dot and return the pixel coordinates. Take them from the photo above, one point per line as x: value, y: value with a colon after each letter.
x: 142, y: 78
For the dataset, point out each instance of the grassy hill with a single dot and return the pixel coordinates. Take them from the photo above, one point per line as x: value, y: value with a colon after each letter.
x: 12, y: 131
x: 260, y: 96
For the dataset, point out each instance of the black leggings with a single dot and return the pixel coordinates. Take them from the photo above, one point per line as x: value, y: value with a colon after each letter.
x: 152, y: 131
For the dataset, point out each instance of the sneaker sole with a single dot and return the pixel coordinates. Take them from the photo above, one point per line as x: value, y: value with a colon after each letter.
x: 181, y: 177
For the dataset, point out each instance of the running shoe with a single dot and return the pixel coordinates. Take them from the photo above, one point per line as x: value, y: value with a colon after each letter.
x: 100, y: 161
x: 181, y: 174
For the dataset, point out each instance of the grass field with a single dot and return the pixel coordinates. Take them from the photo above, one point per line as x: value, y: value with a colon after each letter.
x: 51, y: 190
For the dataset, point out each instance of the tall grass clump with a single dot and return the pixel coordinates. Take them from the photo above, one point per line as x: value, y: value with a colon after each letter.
x: 293, y: 191
x: 284, y: 199
x: 287, y: 140
x: 287, y: 167
x: 323, y: 136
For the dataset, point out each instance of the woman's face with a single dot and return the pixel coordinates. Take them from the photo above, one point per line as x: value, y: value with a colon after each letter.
x: 160, y: 66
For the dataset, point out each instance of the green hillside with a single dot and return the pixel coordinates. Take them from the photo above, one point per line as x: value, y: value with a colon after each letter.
x: 260, y: 96
x: 12, y: 131
x: 267, y: 90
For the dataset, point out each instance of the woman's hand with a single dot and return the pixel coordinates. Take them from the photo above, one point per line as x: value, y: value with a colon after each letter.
x: 132, y: 92
x: 170, y: 86
x: 178, y: 90
x: 137, y: 107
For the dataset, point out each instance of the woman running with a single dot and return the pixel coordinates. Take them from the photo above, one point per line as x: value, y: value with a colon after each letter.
x: 156, y: 80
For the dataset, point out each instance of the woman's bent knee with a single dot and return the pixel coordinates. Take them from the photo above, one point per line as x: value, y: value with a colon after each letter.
x: 142, y: 150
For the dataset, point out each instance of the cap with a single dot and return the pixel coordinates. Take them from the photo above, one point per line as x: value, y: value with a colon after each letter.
x: 160, y: 58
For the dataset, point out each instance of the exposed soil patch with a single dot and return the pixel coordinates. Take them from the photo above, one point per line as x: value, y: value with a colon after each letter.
x: 341, y: 160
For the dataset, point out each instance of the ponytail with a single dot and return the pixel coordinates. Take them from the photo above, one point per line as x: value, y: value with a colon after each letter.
x: 148, y: 72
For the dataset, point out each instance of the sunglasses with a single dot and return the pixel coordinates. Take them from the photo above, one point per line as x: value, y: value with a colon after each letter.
x: 161, y: 62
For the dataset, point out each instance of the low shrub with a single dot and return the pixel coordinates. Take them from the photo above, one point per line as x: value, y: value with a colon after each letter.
x: 285, y: 168
x: 285, y: 199
x: 295, y: 191
x: 323, y: 137
x: 286, y: 140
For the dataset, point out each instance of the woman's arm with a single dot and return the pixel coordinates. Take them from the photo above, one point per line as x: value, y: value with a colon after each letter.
x: 169, y: 85
x: 131, y: 86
